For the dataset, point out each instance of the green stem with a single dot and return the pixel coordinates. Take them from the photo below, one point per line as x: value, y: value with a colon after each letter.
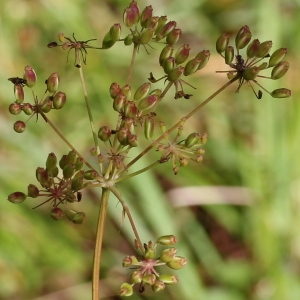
x: 98, y: 243
x: 135, y: 48
x: 184, y: 119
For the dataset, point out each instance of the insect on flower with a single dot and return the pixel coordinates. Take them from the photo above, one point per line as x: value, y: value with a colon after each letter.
x: 17, y: 80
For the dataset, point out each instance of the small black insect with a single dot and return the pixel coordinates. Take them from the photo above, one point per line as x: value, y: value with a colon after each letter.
x: 17, y: 80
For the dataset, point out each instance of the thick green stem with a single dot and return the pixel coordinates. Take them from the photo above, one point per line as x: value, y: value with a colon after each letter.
x: 98, y: 243
x: 183, y: 120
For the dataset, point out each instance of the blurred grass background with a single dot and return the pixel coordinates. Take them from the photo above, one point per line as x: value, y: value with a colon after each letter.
x: 240, y: 243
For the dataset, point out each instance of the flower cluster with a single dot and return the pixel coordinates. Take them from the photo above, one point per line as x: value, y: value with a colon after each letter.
x: 51, y: 99
x: 61, y: 182
x: 145, y: 272
x: 248, y: 69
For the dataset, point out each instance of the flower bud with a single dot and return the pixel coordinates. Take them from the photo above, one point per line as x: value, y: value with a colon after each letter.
x: 128, y: 261
x: 142, y: 91
x: 243, y: 37
x: 130, y: 109
x: 204, y: 55
x: 52, y: 83
x: 56, y: 214
x: 168, y: 278
x: 146, y: 15
x: 149, y: 279
x: 71, y: 157
x: 148, y: 102
x: 128, y: 39
x: 126, y: 90
x: 252, y: 48
x: 19, y: 126
x: 162, y: 20
x: 27, y: 108
x: 168, y: 64
x: 168, y: 254
x: 167, y: 240
x: 182, y: 54
x: 74, y: 216
x: 19, y: 93
x: 148, y: 127
x: 251, y: 73
x: 46, y: 105
x: 222, y: 43
x: 158, y: 286
x: 175, y: 74
x: 277, y: 56
x: 162, y: 126
x: 146, y: 36
x: 30, y: 76
x: 43, y: 177
x: 115, y: 32
x: 152, y: 23
x: 32, y: 191
x: 131, y: 14
x: 122, y: 136
x: 174, y: 36
x: 165, y: 53
x: 77, y: 181
x: 178, y: 262
x: 78, y: 163
x: 59, y: 100
x: 119, y: 103
x: 150, y: 251
x: 132, y: 140
x: 15, y: 108
x: 192, y: 66
x: 280, y: 69
x: 104, y: 133
x: 192, y: 140
x: 136, y: 276
x: 115, y: 90
x: 90, y: 175
x: 51, y: 162
x: 167, y: 28
x: 281, y: 93
x: 264, y: 49
x: 229, y: 55
x: 107, y: 41
x: 17, y: 197
x: 263, y: 66
x: 69, y: 171
x: 126, y: 289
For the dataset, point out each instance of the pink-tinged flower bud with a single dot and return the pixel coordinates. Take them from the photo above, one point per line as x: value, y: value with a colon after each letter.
x: 146, y: 36
x: 281, y: 93
x: 30, y: 76
x: 168, y: 254
x: 90, y: 175
x: 56, y: 214
x: 19, y: 93
x: 126, y: 290
x: 158, y: 286
x: 204, y: 55
x: 115, y: 90
x: 175, y: 74
x: 152, y: 23
x: 146, y: 15
x: 251, y: 73
x: 52, y: 83
x: 165, y: 30
x: 192, y: 66
x: 148, y: 102
x: 142, y: 91
x: 69, y: 171
x: 77, y: 181
x: 27, y: 108
x: 149, y: 279
x: 78, y: 163
x: 115, y: 32
x: 168, y: 278
x: 174, y: 36
x: 182, y: 54
x: 51, y: 162
x: 178, y: 262
x: 162, y: 20
x: 229, y: 55
x: 136, y: 276
x: 252, y: 48
x: 130, y: 110
x: 122, y: 136
x: 264, y: 49
x: 32, y: 191
x: 126, y: 90
x: 243, y: 37
x: 59, y: 100
x: 71, y: 157
x: 132, y: 140
x: 74, y: 216
x: 129, y: 260
x: 149, y: 127
x: 104, y: 133
x: 167, y: 240
x: 131, y: 14
x: 222, y: 43
x: 43, y: 177
x: 19, y: 126
x: 277, y: 56
x: 128, y: 39
x: 17, y: 197
x: 15, y: 108
x: 280, y: 69
x: 46, y: 105
x: 119, y: 103
x: 192, y: 140
x: 165, y: 53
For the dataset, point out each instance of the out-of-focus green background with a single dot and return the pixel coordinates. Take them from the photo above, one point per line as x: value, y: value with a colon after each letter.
x: 242, y: 242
